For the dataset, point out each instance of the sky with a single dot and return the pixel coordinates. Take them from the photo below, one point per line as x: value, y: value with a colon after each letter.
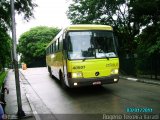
x: 50, y: 13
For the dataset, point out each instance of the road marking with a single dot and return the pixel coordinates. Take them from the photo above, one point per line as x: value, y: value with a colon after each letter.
x: 37, y: 117
x: 133, y: 79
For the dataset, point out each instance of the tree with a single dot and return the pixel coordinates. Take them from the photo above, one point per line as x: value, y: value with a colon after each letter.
x: 32, y: 45
x: 117, y: 13
x: 127, y: 17
x: 23, y: 7
x: 148, y: 51
x: 146, y: 11
x: 148, y: 48
x: 5, y: 53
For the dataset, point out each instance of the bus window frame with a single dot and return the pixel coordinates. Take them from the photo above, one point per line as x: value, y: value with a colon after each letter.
x: 60, y: 43
x: 66, y: 41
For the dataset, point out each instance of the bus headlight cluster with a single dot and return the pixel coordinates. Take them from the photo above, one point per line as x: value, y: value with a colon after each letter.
x: 114, y: 71
x: 77, y: 75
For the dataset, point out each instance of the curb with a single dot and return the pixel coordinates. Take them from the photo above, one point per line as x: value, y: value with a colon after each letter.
x: 128, y: 78
x: 140, y: 80
x: 149, y: 82
x: 12, y: 107
x: 27, y: 97
x: 37, y: 113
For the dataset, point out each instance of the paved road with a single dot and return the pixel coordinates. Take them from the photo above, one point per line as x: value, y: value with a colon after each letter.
x: 109, y: 99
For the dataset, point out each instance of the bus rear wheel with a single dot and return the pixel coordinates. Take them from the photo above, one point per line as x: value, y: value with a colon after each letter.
x: 49, y: 70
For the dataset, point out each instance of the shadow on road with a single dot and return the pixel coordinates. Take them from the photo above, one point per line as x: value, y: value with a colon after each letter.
x: 84, y: 91
x: 89, y: 91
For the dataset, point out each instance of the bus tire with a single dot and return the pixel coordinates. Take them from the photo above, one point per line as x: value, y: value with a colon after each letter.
x: 49, y: 70
x: 64, y: 86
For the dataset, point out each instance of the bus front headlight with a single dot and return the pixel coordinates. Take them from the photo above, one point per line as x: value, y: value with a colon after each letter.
x: 77, y: 75
x: 114, y: 71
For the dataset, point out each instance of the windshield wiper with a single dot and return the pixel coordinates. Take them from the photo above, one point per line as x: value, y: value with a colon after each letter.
x: 107, y: 58
x: 86, y: 58
x: 83, y: 59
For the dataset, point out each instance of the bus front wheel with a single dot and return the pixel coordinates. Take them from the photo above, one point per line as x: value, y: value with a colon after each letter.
x: 62, y: 81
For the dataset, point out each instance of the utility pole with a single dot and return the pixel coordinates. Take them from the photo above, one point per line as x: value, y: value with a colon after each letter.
x: 20, y: 112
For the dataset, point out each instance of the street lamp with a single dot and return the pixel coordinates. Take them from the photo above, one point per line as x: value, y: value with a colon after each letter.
x: 20, y: 112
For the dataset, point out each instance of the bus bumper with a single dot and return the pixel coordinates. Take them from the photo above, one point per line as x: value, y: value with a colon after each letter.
x: 77, y: 82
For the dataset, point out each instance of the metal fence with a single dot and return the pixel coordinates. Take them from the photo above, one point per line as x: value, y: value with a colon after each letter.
x: 140, y: 67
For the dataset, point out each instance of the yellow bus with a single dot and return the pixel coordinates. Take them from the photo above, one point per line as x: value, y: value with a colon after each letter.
x: 83, y: 55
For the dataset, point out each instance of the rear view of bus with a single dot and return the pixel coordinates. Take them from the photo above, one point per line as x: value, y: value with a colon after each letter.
x: 91, y: 57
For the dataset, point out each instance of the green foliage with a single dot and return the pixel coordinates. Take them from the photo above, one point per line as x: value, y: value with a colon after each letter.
x: 148, y: 50
x: 127, y: 17
x: 23, y: 7
x: 33, y: 42
x: 146, y: 11
x: 155, y: 48
x: 2, y: 77
x: 5, y: 50
x: 112, y: 12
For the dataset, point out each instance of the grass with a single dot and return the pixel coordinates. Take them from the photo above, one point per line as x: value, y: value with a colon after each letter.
x: 3, y: 74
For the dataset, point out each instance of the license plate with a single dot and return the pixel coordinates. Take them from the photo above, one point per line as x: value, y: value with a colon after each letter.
x: 97, y: 83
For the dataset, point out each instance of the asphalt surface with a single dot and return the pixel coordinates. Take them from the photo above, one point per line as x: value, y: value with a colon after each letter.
x: 44, y: 97
x: 49, y: 99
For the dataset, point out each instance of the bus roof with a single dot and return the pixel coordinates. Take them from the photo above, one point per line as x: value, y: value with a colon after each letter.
x: 89, y: 27
x: 81, y: 27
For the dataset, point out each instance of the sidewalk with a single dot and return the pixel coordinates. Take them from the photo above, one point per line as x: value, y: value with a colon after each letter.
x: 11, y: 99
x: 143, y: 80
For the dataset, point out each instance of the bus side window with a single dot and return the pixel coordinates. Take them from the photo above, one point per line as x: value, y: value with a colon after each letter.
x: 47, y: 51
x: 54, y: 46
x: 64, y: 38
x: 60, y: 43
x: 50, y: 49
x: 57, y: 45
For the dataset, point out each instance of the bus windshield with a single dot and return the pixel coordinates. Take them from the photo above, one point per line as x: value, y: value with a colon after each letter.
x: 90, y: 44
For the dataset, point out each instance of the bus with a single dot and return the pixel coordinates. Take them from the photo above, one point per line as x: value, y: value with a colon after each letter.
x: 83, y: 55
